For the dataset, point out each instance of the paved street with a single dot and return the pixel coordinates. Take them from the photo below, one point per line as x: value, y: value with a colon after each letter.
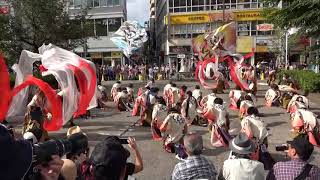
x: 159, y: 164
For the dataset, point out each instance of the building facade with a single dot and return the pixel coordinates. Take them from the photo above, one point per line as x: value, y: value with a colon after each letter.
x: 178, y: 21
x: 105, y: 17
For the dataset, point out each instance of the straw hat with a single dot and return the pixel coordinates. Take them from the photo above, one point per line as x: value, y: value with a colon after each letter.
x: 73, y: 130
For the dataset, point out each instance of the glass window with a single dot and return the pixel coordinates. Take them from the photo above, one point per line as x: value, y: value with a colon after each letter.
x: 114, y: 24
x: 182, y: 2
x: 71, y: 3
x: 117, y: 2
x: 183, y: 9
x: 254, y: 5
x: 96, y: 3
x: 170, y: 3
x: 201, y: 2
x: 195, y: 2
x: 110, y: 3
x: 90, y: 3
x: 219, y: 1
x: 101, y: 27
x: 77, y: 3
x: 103, y: 2
x: 188, y: 2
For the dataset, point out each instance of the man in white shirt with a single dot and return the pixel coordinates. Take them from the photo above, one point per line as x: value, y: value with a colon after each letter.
x: 239, y: 166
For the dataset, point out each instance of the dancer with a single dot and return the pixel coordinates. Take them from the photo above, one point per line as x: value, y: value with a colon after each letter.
x: 159, y: 113
x: 189, y: 108
x: 114, y: 88
x: 174, y: 127
x: 272, y: 97
x: 121, y: 100
x: 196, y: 93
x: 220, y: 127
x: 304, y: 121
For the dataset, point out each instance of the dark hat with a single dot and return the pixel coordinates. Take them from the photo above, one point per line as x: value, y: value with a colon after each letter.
x: 109, y: 157
x: 15, y: 156
x: 241, y: 144
x: 302, y: 145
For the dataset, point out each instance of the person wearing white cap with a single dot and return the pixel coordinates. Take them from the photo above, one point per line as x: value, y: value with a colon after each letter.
x: 240, y: 166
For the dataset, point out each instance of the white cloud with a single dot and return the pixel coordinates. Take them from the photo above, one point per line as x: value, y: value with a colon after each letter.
x: 138, y: 10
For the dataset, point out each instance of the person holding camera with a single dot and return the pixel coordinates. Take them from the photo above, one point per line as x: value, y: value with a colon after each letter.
x: 109, y: 160
x: 240, y: 164
x: 16, y: 159
x: 297, y: 168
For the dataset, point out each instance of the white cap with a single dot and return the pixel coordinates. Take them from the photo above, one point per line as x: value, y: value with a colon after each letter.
x: 30, y: 136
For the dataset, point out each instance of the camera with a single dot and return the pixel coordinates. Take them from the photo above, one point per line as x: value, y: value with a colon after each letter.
x: 282, y: 147
x: 75, y: 144
x: 42, y: 152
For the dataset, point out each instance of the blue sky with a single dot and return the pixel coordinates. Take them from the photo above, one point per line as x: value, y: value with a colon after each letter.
x: 138, y: 10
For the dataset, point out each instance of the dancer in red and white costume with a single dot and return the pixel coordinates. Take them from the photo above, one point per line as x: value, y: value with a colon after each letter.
x: 297, y: 102
x: 114, y: 88
x: 159, y: 114
x: 272, y: 97
x: 220, y: 127
x: 304, y: 121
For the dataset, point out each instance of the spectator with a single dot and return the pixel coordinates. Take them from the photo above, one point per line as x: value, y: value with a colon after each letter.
x: 16, y: 159
x: 195, y: 166
x: 69, y: 170
x: 239, y: 166
x: 109, y: 160
x: 299, y: 151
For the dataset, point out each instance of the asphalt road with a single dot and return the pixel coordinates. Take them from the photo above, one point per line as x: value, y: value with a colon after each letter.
x: 159, y: 164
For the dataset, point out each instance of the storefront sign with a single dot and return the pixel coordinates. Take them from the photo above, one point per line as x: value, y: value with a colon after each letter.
x: 179, y: 49
x: 116, y: 54
x: 264, y: 27
x: 200, y: 18
x: 188, y: 19
x: 96, y: 55
x: 244, y: 44
x: 248, y: 16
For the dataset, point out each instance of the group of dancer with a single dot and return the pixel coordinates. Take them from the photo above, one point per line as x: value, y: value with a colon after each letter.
x: 302, y: 119
x: 170, y: 115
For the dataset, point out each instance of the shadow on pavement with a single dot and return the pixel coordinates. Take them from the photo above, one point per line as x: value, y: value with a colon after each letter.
x: 214, y: 152
x: 270, y: 115
x: 274, y: 124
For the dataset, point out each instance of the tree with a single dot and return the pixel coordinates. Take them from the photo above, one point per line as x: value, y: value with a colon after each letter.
x: 302, y: 14
x: 35, y: 22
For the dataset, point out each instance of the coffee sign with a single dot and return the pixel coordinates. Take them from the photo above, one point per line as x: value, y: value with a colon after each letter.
x: 265, y: 27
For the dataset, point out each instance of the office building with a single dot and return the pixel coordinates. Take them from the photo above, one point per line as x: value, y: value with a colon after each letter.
x: 105, y: 17
x: 178, y: 21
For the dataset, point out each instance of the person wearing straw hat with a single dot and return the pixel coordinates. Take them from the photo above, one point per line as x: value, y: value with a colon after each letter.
x: 240, y: 166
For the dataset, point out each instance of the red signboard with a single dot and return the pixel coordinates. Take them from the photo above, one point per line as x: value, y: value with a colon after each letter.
x: 265, y: 27
x: 4, y: 9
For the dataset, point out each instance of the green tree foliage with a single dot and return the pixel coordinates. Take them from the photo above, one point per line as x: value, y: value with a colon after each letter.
x: 35, y: 22
x: 303, y: 14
